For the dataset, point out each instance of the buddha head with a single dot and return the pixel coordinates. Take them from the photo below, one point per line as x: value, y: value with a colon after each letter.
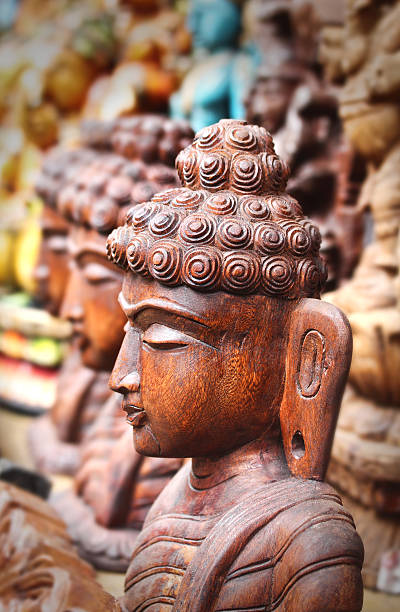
x: 51, y: 272
x: 94, y: 204
x: 214, y: 24
x: 226, y: 339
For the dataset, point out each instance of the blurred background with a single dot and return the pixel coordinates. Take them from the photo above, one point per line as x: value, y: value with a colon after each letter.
x: 323, y: 77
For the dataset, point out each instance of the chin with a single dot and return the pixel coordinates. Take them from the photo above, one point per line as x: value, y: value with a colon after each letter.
x: 146, y: 443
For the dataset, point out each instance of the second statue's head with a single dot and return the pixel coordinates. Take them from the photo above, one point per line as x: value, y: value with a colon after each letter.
x: 226, y: 339
x: 94, y: 202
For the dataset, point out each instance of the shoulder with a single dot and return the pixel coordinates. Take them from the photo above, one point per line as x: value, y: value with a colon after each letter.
x: 305, y: 555
x: 320, y: 557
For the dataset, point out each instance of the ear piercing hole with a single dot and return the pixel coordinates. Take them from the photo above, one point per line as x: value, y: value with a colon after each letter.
x: 298, y: 446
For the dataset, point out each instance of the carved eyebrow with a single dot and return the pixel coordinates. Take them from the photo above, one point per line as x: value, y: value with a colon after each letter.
x: 169, y: 306
x: 87, y: 249
x: 185, y: 334
x: 82, y: 256
x: 51, y: 228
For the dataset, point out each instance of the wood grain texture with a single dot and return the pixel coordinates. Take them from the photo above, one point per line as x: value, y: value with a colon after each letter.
x: 249, y: 369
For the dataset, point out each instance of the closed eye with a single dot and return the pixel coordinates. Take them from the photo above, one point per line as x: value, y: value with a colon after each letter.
x: 96, y: 273
x: 165, y: 338
x: 164, y: 346
x: 57, y: 243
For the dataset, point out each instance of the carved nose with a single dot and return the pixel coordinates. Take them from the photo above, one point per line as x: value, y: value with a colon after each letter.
x: 128, y: 384
x: 73, y: 313
x: 71, y: 308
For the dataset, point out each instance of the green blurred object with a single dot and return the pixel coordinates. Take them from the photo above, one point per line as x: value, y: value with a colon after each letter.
x: 96, y: 42
x: 44, y: 351
x: 20, y: 299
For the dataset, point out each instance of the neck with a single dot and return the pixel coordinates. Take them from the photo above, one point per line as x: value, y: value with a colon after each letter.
x: 264, y: 454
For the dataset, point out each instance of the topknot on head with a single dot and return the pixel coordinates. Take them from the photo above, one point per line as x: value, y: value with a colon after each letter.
x: 230, y: 227
x: 150, y: 138
x: 232, y: 155
x: 137, y: 162
x: 59, y: 167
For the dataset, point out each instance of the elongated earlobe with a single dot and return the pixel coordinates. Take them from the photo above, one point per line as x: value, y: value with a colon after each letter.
x: 317, y: 364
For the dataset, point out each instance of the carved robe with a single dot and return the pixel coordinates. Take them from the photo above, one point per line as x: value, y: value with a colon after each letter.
x: 270, y: 548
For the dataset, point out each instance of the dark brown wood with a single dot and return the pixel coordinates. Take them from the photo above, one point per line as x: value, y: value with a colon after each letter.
x: 317, y: 364
x: 221, y: 289
x: 52, y: 267
x: 51, y: 271
x: 80, y: 389
x: 230, y: 358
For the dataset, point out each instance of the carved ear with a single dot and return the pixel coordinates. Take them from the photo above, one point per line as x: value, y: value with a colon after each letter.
x: 317, y: 364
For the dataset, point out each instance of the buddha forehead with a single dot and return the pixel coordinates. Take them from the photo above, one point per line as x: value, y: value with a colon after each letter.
x: 52, y: 222
x: 83, y: 240
x: 219, y: 311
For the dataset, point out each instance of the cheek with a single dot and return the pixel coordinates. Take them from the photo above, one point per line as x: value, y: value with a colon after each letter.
x: 59, y: 271
x: 233, y: 384
x: 104, y: 319
x: 249, y: 387
x: 178, y: 403
x: 240, y: 393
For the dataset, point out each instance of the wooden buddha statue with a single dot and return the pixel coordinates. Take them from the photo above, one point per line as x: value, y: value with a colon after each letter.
x: 60, y: 454
x: 230, y: 358
x: 52, y: 266
x: 113, y: 487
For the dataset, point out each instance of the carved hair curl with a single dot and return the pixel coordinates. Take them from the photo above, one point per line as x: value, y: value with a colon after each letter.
x: 226, y: 228
x: 98, y: 195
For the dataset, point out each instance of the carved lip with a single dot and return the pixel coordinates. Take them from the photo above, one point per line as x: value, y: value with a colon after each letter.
x: 136, y: 415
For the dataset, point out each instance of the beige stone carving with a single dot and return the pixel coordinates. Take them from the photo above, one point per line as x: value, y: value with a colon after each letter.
x: 366, y: 454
